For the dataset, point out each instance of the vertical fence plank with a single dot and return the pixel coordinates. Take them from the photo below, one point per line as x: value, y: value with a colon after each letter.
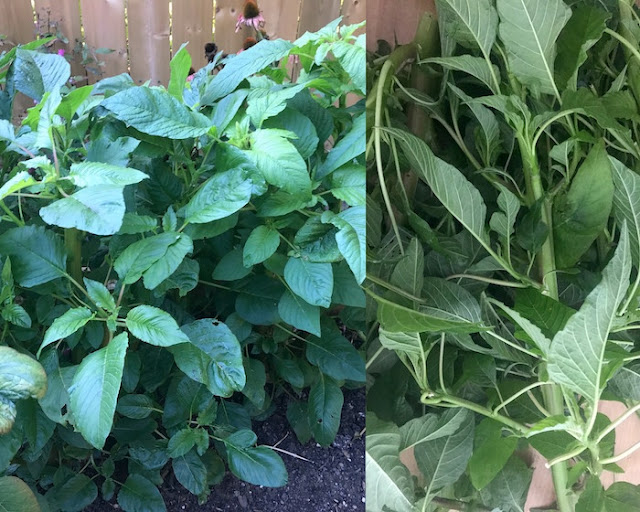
x: 386, y: 21
x: 104, y: 27
x: 281, y: 18
x: 192, y: 21
x: 16, y: 21
x: 149, y: 51
x: 354, y: 11
x: 315, y: 14
x: 63, y: 16
x: 227, y: 12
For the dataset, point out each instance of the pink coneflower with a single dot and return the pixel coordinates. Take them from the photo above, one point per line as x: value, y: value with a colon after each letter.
x: 61, y: 53
x: 251, y: 16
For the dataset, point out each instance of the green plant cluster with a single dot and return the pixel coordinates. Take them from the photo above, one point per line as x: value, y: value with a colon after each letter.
x: 504, y: 245
x: 174, y: 263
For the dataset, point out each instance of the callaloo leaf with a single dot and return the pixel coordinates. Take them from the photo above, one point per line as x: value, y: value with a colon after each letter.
x: 16, y: 314
x: 325, y: 407
x: 21, y: 376
x: 491, y: 453
x: 36, y: 73
x: 532, y: 330
x: 299, y: 313
x: 622, y: 497
x: 351, y: 238
x: 529, y: 30
x: 350, y: 146
x: 156, y: 112
x: 261, y: 244
x: 21, y: 180
x: 100, y: 295
x: 430, y: 427
x: 97, y: 209
x: 37, y: 254
x: 353, y: 60
x: 140, y: 495
x: 576, y: 357
x: 170, y: 261
x: 95, y: 388
x: 154, y: 326
x: 88, y: 174
x: 76, y: 494
x: 348, y: 184
x: 191, y: 472
x: 257, y: 465
x: 509, y: 489
x: 180, y: 64
x: 16, y: 496
x: 335, y: 356
x: 311, y: 281
x: 470, y: 22
x: 475, y: 66
x: 65, y: 325
x: 626, y: 203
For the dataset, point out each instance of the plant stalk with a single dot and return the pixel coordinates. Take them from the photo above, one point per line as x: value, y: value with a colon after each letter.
x: 73, y: 244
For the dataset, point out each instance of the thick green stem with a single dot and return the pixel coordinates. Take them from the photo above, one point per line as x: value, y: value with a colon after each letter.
x: 73, y: 244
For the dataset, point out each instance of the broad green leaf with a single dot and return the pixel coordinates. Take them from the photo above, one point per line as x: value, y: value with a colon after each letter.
x: 474, y: 66
x: 89, y: 174
x: 529, y: 30
x: 442, y: 461
x: 502, y: 222
x: 626, y: 203
x: 16, y: 314
x: 622, y: 497
x: 491, y: 453
x: 155, y: 326
x: 168, y: 264
x: 431, y: 426
x: 99, y: 294
x: 298, y: 417
x: 626, y: 383
x: 44, y: 131
x: 299, y: 313
x: 317, y: 240
x: 180, y: 65
x: 65, y: 325
x: 16, y: 496
x: 449, y: 185
x: 279, y: 162
x: 265, y: 103
x: 140, y: 495
x: 156, y: 112
x: 348, y: 183
x: 583, y: 30
x: 244, y: 65
x: 231, y: 267
x: 389, y: 483
x: 311, y: 281
x: 97, y: 209
x: 352, y: 57
x: 261, y: 244
x: 76, y: 494
x: 508, y: 490
x: 95, y: 388
x: 71, y: 102
x: 545, y: 312
x: 136, y: 407
x: 257, y: 465
x: 408, y: 274
x: 351, y: 238
x: 581, y: 215
x: 470, y: 22
x: 532, y: 330
x: 325, y: 407
x: 185, y: 278
x: 37, y: 254
x: 214, y: 357
x: 256, y: 381
x: 21, y: 180
x: 408, y: 346
x: 576, y: 357
x: 36, y: 73
x: 221, y: 196
x: 226, y: 109
x: 350, y: 146
x: 191, y: 472
x: 181, y: 442
x: 335, y: 356
x: 293, y: 121
x: 592, y: 497
x: 59, y: 380
x: 132, y: 224
x: 21, y: 376
x: 8, y: 413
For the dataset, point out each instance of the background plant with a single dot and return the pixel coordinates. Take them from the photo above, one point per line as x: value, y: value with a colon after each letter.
x: 176, y: 259
x: 503, y: 266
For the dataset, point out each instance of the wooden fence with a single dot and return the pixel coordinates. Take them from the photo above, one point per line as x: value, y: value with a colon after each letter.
x: 143, y: 34
x: 394, y: 20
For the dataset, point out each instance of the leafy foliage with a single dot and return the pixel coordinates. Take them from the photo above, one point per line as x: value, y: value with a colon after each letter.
x: 180, y: 262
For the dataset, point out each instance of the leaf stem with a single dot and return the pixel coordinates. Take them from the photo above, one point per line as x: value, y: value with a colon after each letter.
x: 519, y: 394
x: 623, y: 455
x: 617, y: 422
x: 634, y: 51
x: 488, y: 280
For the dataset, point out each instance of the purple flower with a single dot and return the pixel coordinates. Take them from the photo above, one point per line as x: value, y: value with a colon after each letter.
x: 61, y: 53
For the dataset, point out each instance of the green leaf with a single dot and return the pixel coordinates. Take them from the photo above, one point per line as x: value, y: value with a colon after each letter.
x: 99, y: 294
x: 76, y: 494
x: 548, y: 314
x: 264, y: 103
x: 257, y: 465
x: 21, y: 376
x: 431, y: 427
x: 470, y: 22
x: 181, y: 442
x: 583, y: 30
x: 388, y: 482
x: 531, y: 329
x: 408, y: 274
x: 71, y: 102
x: 256, y: 381
x: 89, y: 174
x: 191, y: 472
x: 502, y: 222
x: 132, y: 224
x: 180, y: 65
x: 348, y: 184
x: 474, y: 66
x: 508, y: 490
x: 220, y: 196
x: 299, y: 313
x: 95, y: 388
x: 156, y: 112
x: 244, y: 65
x: 622, y: 497
x: 529, y: 30
x: 348, y: 147
x: 65, y: 325
x: 626, y: 203
x: 592, y: 497
x: 581, y: 215
x: 492, y: 451
x: 443, y: 460
x: 16, y: 496
x: 279, y: 162
x: 351, y: 238
x: 335, y: 356
x: 59, y: 380
x: 311, y: 281
x: 298, y: 417
x: 293, y: 121
x: 576, y: 357
x: 21, y: 180
x: 231, y: 267
x: 36, y: 73
x: 98, y: 210
x: 352, y: 57
x: 169, y: 263
x: 136, y: 407
x: 37, y: 255
x: 325, y: 407
x: 214, y: 357
x: 155, y: 326
x: 16, y: 314
x: 261, y: 244
x: 139, y: 495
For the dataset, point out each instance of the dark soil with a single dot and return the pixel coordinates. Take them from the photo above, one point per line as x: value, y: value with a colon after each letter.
x: 332, y: 482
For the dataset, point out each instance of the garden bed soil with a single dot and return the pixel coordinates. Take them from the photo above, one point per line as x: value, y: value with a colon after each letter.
x: 333, y: 480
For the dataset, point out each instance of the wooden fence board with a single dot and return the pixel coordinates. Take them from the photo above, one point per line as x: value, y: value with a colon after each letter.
x: 315, y: 14
x: 192, y: 21
x: 149, y: 51
x: 16, y: 21
x: 281, y: 18
x: 227, y: 12
x: 63, y: 16
x: 385, y: 20
x: 354, y: 11
x: 104, y: 27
